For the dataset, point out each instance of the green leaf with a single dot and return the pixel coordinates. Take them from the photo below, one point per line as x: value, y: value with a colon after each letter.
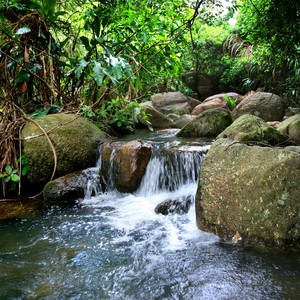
x: 22, y: 76
x: 80, y: 68
x: 25, y: 170
x: 23, y: 30
x: 98, y: 73
x: 85, y: 41
x: 15, y: 177
x: 8, y: 169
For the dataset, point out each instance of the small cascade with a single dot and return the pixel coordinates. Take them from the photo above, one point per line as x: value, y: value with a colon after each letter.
x: 94, y: 186
x: 170, y: 168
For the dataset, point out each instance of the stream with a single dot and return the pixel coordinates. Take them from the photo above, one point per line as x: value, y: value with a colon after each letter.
x: 114, y: 246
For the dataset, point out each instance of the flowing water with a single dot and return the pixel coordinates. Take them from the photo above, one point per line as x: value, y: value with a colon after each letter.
x: 114, y: 246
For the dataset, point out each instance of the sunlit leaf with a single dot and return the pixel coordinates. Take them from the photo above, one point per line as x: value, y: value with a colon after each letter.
x: 23, y: 30
x: 98, y: 73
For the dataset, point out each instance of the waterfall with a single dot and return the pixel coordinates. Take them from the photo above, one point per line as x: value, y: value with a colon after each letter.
x: 169, y: 169
x: 171, y: 166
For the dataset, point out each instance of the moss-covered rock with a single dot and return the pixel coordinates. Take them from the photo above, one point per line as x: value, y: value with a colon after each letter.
x: 291, y: 128
x: 250, y: 190
x: 208, y: 124
x: 75, y: 139
x: 249, y: 128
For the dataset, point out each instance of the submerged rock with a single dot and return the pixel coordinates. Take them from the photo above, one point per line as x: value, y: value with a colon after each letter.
x: 268, y: 106
x: 75, y: 139
x: 250, y: 190
x: 249, y: 128
x: 177, y: 206
x: 208, y: 124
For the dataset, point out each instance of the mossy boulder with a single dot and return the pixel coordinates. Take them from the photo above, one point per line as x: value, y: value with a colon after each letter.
x: 249, y: 128
x: 208, y: 124
x: 75, y: 139
x: 251, y: 192
x: 291, y: 128
x: 268, y: 106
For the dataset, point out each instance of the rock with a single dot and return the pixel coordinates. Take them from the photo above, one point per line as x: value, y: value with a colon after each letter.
x: 193, y: 102
x: 183, y: 120
x: 66, y: 189
x: 156, y: 118
x: 249, y: 128
x: 235, y: 96
x: 202, y: 84
x: 124, y: 163
x: 20, y: 208
x: 267, y: 106
x: 171, y: 206
x: 214, y: 103
x: 75, y: 139
x: 171, y: 102
x: 291, y: 128
x: 208, y: 124
x: 250, y: 190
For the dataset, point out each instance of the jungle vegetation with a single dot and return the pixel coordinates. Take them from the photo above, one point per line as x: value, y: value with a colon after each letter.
x: 101, y: 59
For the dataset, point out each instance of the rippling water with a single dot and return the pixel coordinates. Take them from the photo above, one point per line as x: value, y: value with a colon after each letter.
x: 114, y: 246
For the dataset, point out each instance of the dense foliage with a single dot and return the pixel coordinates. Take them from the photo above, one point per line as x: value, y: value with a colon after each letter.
x: 102, y: 58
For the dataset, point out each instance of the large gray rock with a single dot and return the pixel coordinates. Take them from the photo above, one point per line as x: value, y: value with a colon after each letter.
x: 291, y: 128
x: 268, y: 106
x: 250, y: 192
x: 182, y: 121
x: 124, y: 163
x: 249, y: 128
x: 75, y: 139
x: 208, y: 124
x: 171, y: 102
x: 235, y: 96
x: 155, y: 117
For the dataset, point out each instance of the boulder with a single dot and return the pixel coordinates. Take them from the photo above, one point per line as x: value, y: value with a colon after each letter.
x: 183, y: 120
x: 156, y: 118
x: 208, y: 124
x: 177, y: 206
x: 251, y: 192
x: 75, y: 139
x: 237, y: 98
x: 291, y: 128
x: 124, y: 164
x: 65, y: 189
x: 214, y: 103
x: 193, y: 102
x: 249, y: 128
x: 171, y: 102
x: 268, y: 106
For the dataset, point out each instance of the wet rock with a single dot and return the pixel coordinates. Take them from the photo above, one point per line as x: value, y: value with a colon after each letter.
x: 249, y: 128
x: 124, y: 163
x: 66, y: 189
x: 171, y: 102
x: 214, y: 103
x: 291, y: 128
x: 250, y: 190
x: 75, y: 139
x: 177, y: 206
x: 268, y: 106
x: 208, y: 124
x: 156, y: 118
